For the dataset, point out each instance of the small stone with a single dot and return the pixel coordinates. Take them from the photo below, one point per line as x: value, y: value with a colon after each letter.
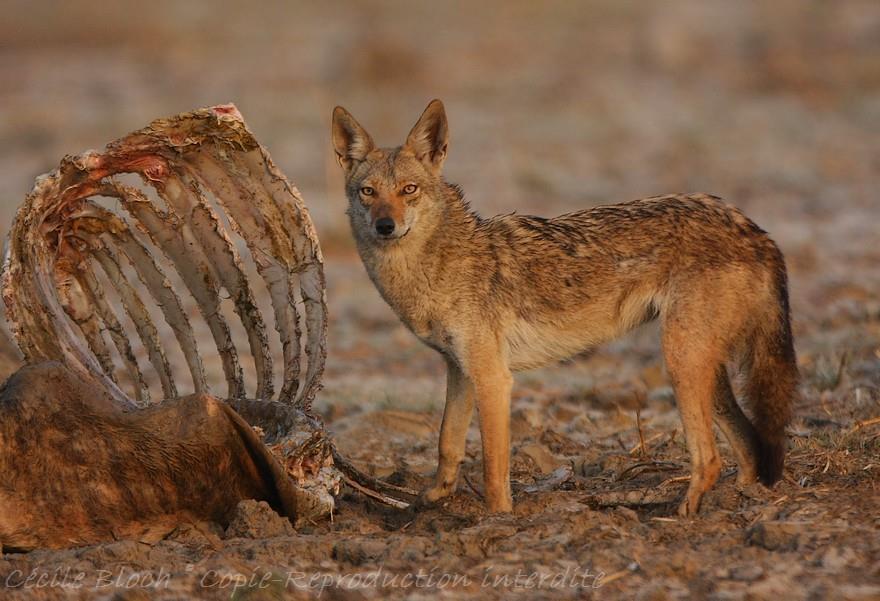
x: 775, y: 587
x: 627, y: 513
x: 652, y: 592
x: 359, y: 551
x: 746, y: 573
x: 587, y: 469
x: 778, y: 536
x: 543, y: 459
x: 857, y: 592
x: 837, y: 558
x: 527, y: 422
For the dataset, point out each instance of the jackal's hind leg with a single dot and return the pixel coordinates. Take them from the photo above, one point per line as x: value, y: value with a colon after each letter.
x: 737, y: 429
x: 693, y: 380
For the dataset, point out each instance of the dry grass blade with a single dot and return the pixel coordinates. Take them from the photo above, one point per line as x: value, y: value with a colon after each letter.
x: 373, y: 494
x: 368, y: 482
x: 646, y: 466
x: 865, y: 424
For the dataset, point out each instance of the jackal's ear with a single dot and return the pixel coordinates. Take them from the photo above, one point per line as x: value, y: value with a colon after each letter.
x: 351, y: 142
x: 430, y: 136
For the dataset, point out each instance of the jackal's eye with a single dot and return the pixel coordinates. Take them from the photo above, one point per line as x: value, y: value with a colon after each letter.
x: 367, y: 191
x: 410, y: 189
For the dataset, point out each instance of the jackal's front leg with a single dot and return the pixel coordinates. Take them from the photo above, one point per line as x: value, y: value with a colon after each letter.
x: 453, y: 433
x: 492, y: 385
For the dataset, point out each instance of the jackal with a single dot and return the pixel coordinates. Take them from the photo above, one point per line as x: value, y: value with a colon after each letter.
x: 516, y: 292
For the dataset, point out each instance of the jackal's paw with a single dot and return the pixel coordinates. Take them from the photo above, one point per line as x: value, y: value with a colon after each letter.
x: 684, y: 510
x: 691, y: 504
x: 432, y: 494
x: 499, y: 503
x: 746, y: 478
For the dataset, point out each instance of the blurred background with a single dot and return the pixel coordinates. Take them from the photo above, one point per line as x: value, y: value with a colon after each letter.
x: 553, y: 106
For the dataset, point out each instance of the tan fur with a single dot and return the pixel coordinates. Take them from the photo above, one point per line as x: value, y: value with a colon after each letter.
x: 516, y: 292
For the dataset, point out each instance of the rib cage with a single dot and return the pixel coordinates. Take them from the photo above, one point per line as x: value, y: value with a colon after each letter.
x: 220, y: 209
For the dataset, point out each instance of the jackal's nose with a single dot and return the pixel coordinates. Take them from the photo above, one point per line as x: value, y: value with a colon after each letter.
x: 385, y: 226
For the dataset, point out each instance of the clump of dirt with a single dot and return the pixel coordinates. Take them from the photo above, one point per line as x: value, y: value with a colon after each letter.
x: 255, y: 519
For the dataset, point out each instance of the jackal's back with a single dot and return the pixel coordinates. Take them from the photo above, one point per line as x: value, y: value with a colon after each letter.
x: 611, y: 247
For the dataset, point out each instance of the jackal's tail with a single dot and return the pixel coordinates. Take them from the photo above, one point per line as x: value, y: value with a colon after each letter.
x: 771, y: 383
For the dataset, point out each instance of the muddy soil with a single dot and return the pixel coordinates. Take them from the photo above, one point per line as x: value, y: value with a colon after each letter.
x: 773, y: 106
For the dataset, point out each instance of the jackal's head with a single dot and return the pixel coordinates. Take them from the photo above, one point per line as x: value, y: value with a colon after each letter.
x: 393, y: 193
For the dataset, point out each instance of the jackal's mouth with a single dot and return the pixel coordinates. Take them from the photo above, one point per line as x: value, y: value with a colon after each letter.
x: 390, y: 239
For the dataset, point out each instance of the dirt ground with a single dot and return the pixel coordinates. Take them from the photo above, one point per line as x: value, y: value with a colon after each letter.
x: 774, y: 106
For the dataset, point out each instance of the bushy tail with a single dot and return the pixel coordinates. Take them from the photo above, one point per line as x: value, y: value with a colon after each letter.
x: 771, y: 383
